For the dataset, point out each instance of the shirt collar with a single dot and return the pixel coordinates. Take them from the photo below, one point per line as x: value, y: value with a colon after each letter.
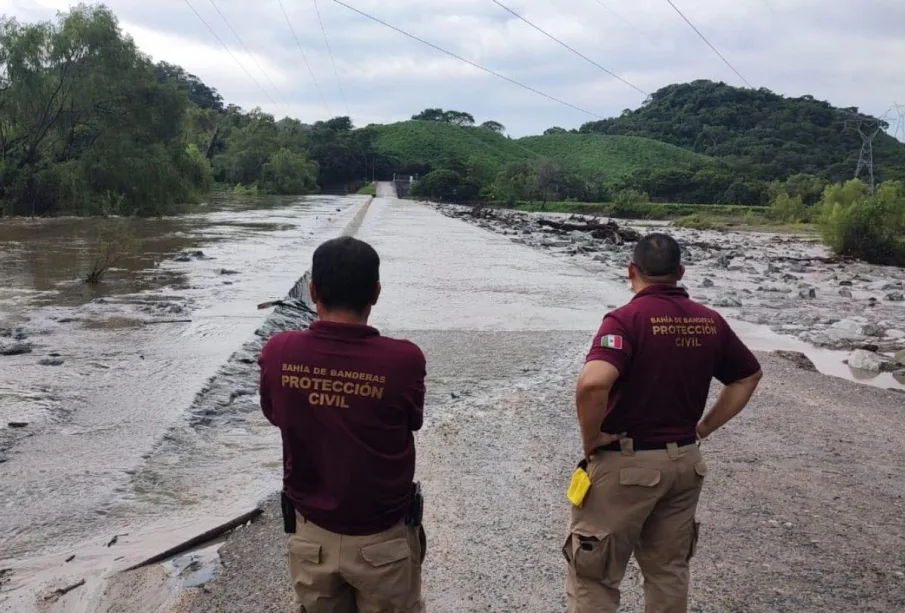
x: 662, y: 289
x: 341, y: 330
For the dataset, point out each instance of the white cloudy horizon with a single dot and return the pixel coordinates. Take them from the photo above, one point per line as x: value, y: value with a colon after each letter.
x: 829, y: 49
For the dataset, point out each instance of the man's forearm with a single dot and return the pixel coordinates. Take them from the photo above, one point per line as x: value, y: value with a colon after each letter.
x: 731, y: 401
x: 591, y: 404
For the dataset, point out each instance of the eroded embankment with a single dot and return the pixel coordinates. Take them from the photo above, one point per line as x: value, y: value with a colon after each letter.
x: 239, y: 376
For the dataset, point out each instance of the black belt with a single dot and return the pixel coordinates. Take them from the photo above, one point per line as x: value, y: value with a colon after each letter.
x: 647, y: 446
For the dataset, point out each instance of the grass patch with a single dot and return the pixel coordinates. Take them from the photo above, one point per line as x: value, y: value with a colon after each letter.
x: 369, y: 189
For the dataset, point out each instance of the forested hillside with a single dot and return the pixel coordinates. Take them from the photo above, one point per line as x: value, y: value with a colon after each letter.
x: 90, y: 125
x: 766, y: 135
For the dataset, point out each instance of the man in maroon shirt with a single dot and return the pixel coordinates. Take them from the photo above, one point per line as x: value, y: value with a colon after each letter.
x: 640, y: 399
x: 347, y: 401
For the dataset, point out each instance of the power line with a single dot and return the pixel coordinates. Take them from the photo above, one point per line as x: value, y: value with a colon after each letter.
x: 467, y: 61
x: 219, y: 40
x: 579, y: 54
x: 709, y: 45
x: 770, y: 8
x: 613, y: 11
x: 250, y: 54
x: 305, y: 57
x: 332, y: 61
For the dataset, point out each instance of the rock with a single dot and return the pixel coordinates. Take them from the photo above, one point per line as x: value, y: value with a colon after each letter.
x: 853, y: 329
x: 707, y: 283
x: 4, y: 458
x: 865, y: 360
x: 895, y: 297
x: 799, y: 359
x: 50, y: 362
x: 17, y: 334
x: 226, y: 271
x: 846, y: 283
x: 869, y: 347
x: 807, y: 293
x: 727, y: 300
x: 899, y: 376
x: 845, y: 293
x: 900, y: 357
x: 723, y: 260
x: 14, y: 348
x: 893, y: 285
x: 18, y: 424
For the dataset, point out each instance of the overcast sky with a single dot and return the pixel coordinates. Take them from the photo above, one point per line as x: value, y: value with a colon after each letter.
x: 845, y: 51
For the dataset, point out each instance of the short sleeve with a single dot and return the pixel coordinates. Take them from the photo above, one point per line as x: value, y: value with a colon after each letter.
x: 736, y: 361
x: 612, y: 344
x: 266, y: 360
x: 414, y: 393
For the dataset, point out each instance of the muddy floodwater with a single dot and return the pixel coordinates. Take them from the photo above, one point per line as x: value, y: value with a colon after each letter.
x: 96, y: 381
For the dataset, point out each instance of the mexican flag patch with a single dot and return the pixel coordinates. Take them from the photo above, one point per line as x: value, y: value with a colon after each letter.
x: 611, y: 341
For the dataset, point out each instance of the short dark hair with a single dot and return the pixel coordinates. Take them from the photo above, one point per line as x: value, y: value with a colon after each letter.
x: 345, y: 272
x: 658, y: 255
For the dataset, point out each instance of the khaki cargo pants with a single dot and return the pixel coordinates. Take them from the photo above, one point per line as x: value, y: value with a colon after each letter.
x: 334, y: 573
x: 640, y: 502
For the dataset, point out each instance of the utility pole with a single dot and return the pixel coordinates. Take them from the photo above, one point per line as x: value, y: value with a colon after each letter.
x: 868, y: 129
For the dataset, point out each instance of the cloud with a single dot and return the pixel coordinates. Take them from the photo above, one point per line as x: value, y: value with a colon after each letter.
x: 831, y: 49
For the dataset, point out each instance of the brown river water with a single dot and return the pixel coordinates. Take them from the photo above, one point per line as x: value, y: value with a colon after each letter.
x: 93, y: 435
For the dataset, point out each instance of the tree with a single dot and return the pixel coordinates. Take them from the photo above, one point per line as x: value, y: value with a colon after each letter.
x: 199, y: 93
x: 430, y: 115
x: 289, y: 173
x: 548, y: 175
x: 458, y: 118
x: 438, y: 185
x: 854, y: 223
x: 493, y: 126
x: 554, y: 130
x: 84, y: 123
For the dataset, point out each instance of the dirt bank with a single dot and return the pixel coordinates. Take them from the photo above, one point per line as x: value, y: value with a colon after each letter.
x: 801, y: 511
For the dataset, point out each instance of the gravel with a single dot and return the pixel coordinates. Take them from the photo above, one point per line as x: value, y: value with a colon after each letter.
x: 787, y: 282
x: 802, y: 510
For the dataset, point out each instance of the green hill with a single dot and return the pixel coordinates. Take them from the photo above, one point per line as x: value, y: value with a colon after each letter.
x: 421, y: 146
x: 763, y: 135
x: 617, y: 157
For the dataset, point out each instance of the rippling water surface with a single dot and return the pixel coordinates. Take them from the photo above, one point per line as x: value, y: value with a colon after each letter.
x: 99, y: 445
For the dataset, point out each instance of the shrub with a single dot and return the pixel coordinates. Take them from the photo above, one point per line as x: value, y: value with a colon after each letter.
x: 627, y: 201
x: 790, y: 209
x: 856, y: 224
x: 696, y: 221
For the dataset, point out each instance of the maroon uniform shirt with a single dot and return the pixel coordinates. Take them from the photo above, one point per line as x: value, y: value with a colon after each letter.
x: 347, y: 401
x: 667, y: 348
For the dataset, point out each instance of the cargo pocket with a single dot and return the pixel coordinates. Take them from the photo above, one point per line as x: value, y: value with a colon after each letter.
x: 303, y: 552
x: 701, y: 469
x: 389, y: 570
x: 695, y: 533
x: 589, y: 555
x: 306, y: 571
